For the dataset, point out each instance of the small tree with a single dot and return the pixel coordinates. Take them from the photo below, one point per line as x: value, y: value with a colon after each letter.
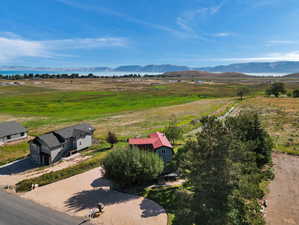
x: 276, y: 89
x: 173, y: 132
x: 296, y: 93
x: 241, y: 92
x: 111, y: 139
x: 128, y: 167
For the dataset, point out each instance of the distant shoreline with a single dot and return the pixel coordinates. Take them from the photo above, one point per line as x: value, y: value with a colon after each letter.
x: 112, y: 73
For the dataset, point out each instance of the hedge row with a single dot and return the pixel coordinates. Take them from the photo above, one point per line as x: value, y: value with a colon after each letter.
x: 52, y: 177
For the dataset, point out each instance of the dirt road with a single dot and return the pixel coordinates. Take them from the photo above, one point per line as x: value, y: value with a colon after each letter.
x: 283, y: 198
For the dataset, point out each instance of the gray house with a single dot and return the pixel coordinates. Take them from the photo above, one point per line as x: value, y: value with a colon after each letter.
x: 51, y: 147
x: 11, y: 131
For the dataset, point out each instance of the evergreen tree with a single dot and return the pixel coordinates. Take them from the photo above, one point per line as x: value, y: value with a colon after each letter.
x: 173, y: 132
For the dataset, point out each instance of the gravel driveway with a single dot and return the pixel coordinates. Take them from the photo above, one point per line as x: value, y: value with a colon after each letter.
x: 78, y: 194
x: 283, y: 198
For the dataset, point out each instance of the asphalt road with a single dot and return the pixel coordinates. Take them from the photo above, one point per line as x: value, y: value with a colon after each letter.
x: 17, y: 211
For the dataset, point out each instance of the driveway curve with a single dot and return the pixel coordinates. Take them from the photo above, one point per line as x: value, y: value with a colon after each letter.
x: 78, y: 194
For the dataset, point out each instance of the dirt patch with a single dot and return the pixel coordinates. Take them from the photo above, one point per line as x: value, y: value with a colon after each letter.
x: 284, y: 192
x: 80, y: 193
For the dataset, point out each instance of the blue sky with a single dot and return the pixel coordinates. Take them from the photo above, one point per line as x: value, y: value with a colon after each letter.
x: 68, y: 33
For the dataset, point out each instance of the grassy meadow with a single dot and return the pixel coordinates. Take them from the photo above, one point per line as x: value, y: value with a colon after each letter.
x: 280, y: 117
x: 41, y: 106
x: 127, y: 112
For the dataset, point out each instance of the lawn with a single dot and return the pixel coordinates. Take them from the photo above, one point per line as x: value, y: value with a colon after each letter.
x: 11, y: 153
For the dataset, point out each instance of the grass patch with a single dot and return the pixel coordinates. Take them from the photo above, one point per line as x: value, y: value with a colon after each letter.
x: 10, y: 153
x: 288, y: 150
x: 52, y: 177
x: 166, y: 197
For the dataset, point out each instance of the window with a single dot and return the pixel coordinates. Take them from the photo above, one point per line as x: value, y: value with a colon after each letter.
x: 80, y: 143
x: 22, y: 134
x: 8, y: 137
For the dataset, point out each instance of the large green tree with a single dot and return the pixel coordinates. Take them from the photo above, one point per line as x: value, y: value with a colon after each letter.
x: 276, y: 89
x: 248, y: 128
x: 222, y: 167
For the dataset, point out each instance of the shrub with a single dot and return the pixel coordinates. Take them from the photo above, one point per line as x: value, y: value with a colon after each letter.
x: 128, y: 167
x: 296, y: 93
x: 111, y: 138
x: 241, y: 92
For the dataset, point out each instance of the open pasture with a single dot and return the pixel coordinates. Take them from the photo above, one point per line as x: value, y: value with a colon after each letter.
x: 281, y: 118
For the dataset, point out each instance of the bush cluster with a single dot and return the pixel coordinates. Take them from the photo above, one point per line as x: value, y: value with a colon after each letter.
x: 128, y: 167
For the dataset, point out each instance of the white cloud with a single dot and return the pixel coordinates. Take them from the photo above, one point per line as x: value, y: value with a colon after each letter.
x: 84, y: 43
x: 271, y: 57
x: 190, y: 19
x: 16, y: 47
x: 224, y: 34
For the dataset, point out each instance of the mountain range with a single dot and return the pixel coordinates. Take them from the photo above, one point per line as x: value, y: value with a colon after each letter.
x: 253, y: 67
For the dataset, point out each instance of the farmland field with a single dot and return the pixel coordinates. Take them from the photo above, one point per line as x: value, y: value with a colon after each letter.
x: 128, y: 112
x: 42, y: 106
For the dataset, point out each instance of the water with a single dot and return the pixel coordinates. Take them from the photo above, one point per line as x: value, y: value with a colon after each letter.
x: 111, y: 73
x: 97, y: 73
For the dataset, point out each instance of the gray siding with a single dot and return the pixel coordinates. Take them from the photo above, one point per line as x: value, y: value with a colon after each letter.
x: 56, y: 154
x: 13, y: 137
x: 165, y: 153
x: 84, y: 142
x: 35, y: 153
x: 38, y: 151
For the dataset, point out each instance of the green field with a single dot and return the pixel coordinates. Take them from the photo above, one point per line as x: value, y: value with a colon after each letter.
x: 67, y: 106
x: 11, y: 153
x: 42, y: 109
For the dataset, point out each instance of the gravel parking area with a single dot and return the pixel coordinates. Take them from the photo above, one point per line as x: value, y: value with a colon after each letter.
x: 80, y: 193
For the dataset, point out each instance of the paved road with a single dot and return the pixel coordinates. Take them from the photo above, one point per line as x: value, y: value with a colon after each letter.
x: 18, y: 211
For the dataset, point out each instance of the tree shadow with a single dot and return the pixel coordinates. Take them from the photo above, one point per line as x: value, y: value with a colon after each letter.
x: 17, y: 167
x: 150, y: 208
x: 89, y: 199
x: 101, y: 183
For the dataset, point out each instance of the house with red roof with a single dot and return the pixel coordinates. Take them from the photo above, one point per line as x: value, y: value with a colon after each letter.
x: 156, y: 142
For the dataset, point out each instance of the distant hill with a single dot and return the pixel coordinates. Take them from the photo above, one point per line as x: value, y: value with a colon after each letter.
x: 152, y: 68
x: 205, y: 75
x: 126, y: 68
x: 256, y: 67
x: 293, y: 75
x: 284, y: 67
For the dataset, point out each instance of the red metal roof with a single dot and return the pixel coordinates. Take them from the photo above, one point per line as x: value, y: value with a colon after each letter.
x: 157, y: 140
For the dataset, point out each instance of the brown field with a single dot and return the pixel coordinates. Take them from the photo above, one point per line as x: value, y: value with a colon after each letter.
x: 281, y: 118
x: 91, y: 84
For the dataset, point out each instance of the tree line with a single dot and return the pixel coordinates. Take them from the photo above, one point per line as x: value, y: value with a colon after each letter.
x: 32, y: 76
